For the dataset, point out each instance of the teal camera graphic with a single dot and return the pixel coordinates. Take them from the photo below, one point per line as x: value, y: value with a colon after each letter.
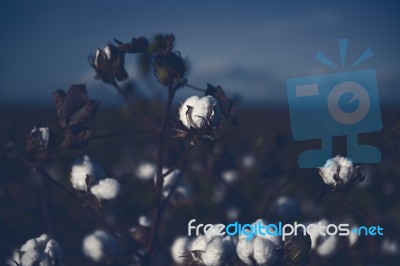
x: 338, y: 104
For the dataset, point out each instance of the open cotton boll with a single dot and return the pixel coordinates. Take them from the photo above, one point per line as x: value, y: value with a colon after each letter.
x: 82, y: 169
x: 264, y: 251
x: 144, y: 221
x: 328, y: 246
x: 230, y: 176
x: 340, y: 166
x: 99, y: 245
x: 313, y: 231
x: 212, y: 250
x: 41, y: 251
x: 106, y: 189
x: 204, y: 112
x: 179, y: 248
x: 390, y: 247
x: 145, y: 171
x: 258, y: 249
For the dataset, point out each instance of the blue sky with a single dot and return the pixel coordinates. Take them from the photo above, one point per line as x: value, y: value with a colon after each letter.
x: 249, y: 47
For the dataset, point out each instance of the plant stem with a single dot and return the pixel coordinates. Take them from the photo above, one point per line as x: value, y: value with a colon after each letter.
x: 134, y: 107
x: 194, y: 87
x: 363, y: 215
x: 173, y: 188
x: 159, y: 176
x: 178, y: 163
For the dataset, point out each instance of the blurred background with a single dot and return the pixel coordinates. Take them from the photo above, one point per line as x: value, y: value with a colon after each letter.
x: 250, y: 49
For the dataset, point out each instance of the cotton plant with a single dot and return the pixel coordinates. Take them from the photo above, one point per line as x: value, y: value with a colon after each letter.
x: 198, y: 118
x: 40, y: 251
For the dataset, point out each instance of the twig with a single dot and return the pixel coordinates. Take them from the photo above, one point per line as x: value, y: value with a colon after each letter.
x: 134, y: 107
x: 173, y: 188
x: 363, y: 215
x: 178, y: 163
x: 194, y: 87
x: 119, y: 133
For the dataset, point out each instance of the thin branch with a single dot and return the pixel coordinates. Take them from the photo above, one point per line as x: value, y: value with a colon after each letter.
x: 194, y: 87
x: 174, y: 187
x: 119, y: 133
x: 363, y: 215
x: 178, y: 163
x: 134, y: 107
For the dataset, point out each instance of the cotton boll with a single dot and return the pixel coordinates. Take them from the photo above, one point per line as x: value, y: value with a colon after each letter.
x: 179, y: 248
x: 264, y: 251
x: 54, y: 250
x: 313, y: 231
x: 41, y: 251
x: 212, y: 250
x: 275, y: 240
x: 230, y: 176
x: 106, y: 189
x: 340, y: 174
x: 248, y: 161
x: 199, y: 243
x: 214, y: 255
x: 390, y: 247
x: 81, y: 169
x: 42, y: 242
x: 204, y: 112
x: 245, y: 250
x: 99, y: 245
x: 30, y: 257
x: 144, y: 221
x: 352, y: 237
x: 328, y: 246
x: 145, y: 171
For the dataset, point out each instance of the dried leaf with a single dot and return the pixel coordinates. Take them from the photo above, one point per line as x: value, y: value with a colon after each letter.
x: 226, y: 105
